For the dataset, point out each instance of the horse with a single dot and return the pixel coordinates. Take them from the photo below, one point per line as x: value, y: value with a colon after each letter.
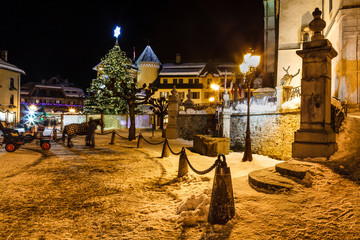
x: 86, y: 128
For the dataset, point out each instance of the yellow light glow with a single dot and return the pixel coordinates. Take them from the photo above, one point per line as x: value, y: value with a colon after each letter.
x: 215, y: 87
x: 244, y: 67
x: 211, y: 99
x: 72, y: 110
x: 33, y: 108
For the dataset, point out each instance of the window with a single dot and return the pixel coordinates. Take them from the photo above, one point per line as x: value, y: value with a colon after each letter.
x: 191, y: 81
x: 37, y: 101
x: 57, y: 102
x: 175, y: 81
x: 12, y: 84
x: 181, y: 81
x: 181, y: 95
x: 330, y: 5
x: 165, y: 81
x: 195, y: 95
x: 196, y: 81
x: 164, y: 94
x: 208, y: 95
x: 23, y: 100
x: 12, y: 100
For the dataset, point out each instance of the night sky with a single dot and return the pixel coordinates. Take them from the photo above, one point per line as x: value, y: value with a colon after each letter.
x: 68, y: 38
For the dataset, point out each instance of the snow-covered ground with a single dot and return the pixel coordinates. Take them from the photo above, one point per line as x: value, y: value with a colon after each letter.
x: 122, y: 192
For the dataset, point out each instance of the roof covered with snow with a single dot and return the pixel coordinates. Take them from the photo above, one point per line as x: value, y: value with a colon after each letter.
x: 148, y: 55
x: 200, y: 69
x: 10, y: 67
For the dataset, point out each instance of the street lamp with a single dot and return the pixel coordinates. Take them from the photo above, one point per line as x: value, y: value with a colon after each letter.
x: 215, y: 87
x: 248, y: 69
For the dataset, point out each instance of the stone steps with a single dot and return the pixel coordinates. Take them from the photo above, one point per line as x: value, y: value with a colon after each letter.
x: 281, y: 178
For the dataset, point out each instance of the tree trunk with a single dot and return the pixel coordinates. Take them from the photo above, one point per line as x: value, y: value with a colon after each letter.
x: 132, y: 129
x: 161, y: 121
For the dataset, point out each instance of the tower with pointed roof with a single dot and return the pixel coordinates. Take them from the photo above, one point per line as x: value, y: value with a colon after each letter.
x: 148, y: 67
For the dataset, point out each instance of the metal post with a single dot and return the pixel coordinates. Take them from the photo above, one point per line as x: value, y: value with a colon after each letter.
x: 112, y: 142
x: 247, y: 152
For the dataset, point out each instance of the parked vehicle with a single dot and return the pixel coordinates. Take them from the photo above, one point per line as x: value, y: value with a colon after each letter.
x: 13, y: 139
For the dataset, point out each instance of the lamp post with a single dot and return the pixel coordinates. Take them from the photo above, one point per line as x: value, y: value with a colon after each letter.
x: 248, y: 69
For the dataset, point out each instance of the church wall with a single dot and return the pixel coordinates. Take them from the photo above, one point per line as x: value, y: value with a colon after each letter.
x: 294, y: 17
x: 289, y: 58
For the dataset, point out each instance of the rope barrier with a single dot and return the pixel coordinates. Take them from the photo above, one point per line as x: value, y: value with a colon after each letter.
x: 102, y: 133
x: 217, y: 162
x: 151, y: 142
x: 121, y: 136
x: 183, y: 149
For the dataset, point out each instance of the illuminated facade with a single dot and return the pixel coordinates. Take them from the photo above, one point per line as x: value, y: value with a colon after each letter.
x: 288, y: 27
x: 53, y: 95
x: 198, y: 77
x: 10, y: 79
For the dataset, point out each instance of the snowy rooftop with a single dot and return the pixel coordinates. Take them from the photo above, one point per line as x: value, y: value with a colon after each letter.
x: 200, y: 69
x: 147, y: 55
x: 8, y: 66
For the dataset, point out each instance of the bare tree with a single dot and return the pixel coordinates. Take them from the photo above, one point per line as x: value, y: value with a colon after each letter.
x: 159, y: 106
x: 133, y: 95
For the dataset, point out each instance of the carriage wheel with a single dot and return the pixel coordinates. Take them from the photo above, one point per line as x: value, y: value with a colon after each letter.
x: 10, y: 147
x: 45, y: 145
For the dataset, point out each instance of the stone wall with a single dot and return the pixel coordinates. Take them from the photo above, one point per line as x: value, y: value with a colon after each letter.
x: 271, y: 134
x: 194, y: 124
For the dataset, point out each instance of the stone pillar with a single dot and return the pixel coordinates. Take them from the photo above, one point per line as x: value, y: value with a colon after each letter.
x: 283, y: 93
x: 315, y: 138
x: 226, y: 114
x: 173, y: 112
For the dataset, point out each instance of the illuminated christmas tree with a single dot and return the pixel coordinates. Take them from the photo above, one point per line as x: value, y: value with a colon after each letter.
x: 114, y: 65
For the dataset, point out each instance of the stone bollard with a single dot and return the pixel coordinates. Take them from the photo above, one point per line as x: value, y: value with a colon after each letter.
x: 140, y: 141
x: 183, y: 165
x: 112, y: 142
x: 222, y: 207
x: 165, y: 150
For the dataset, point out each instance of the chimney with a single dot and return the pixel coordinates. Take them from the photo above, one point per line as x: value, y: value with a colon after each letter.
x: 178, y: 58
x: 4, y: 55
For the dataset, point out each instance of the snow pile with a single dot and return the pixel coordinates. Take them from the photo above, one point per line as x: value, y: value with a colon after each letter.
x: 336, y: 103
x: 192, y: 111
x: 194, y: 210
x: 256, y: 108
x: 292, y: 104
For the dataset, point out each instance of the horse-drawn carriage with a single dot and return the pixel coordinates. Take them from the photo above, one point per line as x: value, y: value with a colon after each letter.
x: 13, y: 139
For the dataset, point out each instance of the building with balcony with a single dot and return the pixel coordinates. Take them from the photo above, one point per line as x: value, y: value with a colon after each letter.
x: 52, y: 95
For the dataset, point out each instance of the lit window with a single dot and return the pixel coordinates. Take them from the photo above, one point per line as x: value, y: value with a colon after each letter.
x: 195, y: 95
x: 182, y: 95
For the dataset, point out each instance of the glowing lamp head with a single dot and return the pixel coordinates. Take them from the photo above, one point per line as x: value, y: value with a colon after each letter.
x: 72, y: 110
x: 244, y: 67
x: 215, y: 87
x: 211, y: 99
x: 33, y: 108
x: 117, y: 31
x: 254, y: 61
